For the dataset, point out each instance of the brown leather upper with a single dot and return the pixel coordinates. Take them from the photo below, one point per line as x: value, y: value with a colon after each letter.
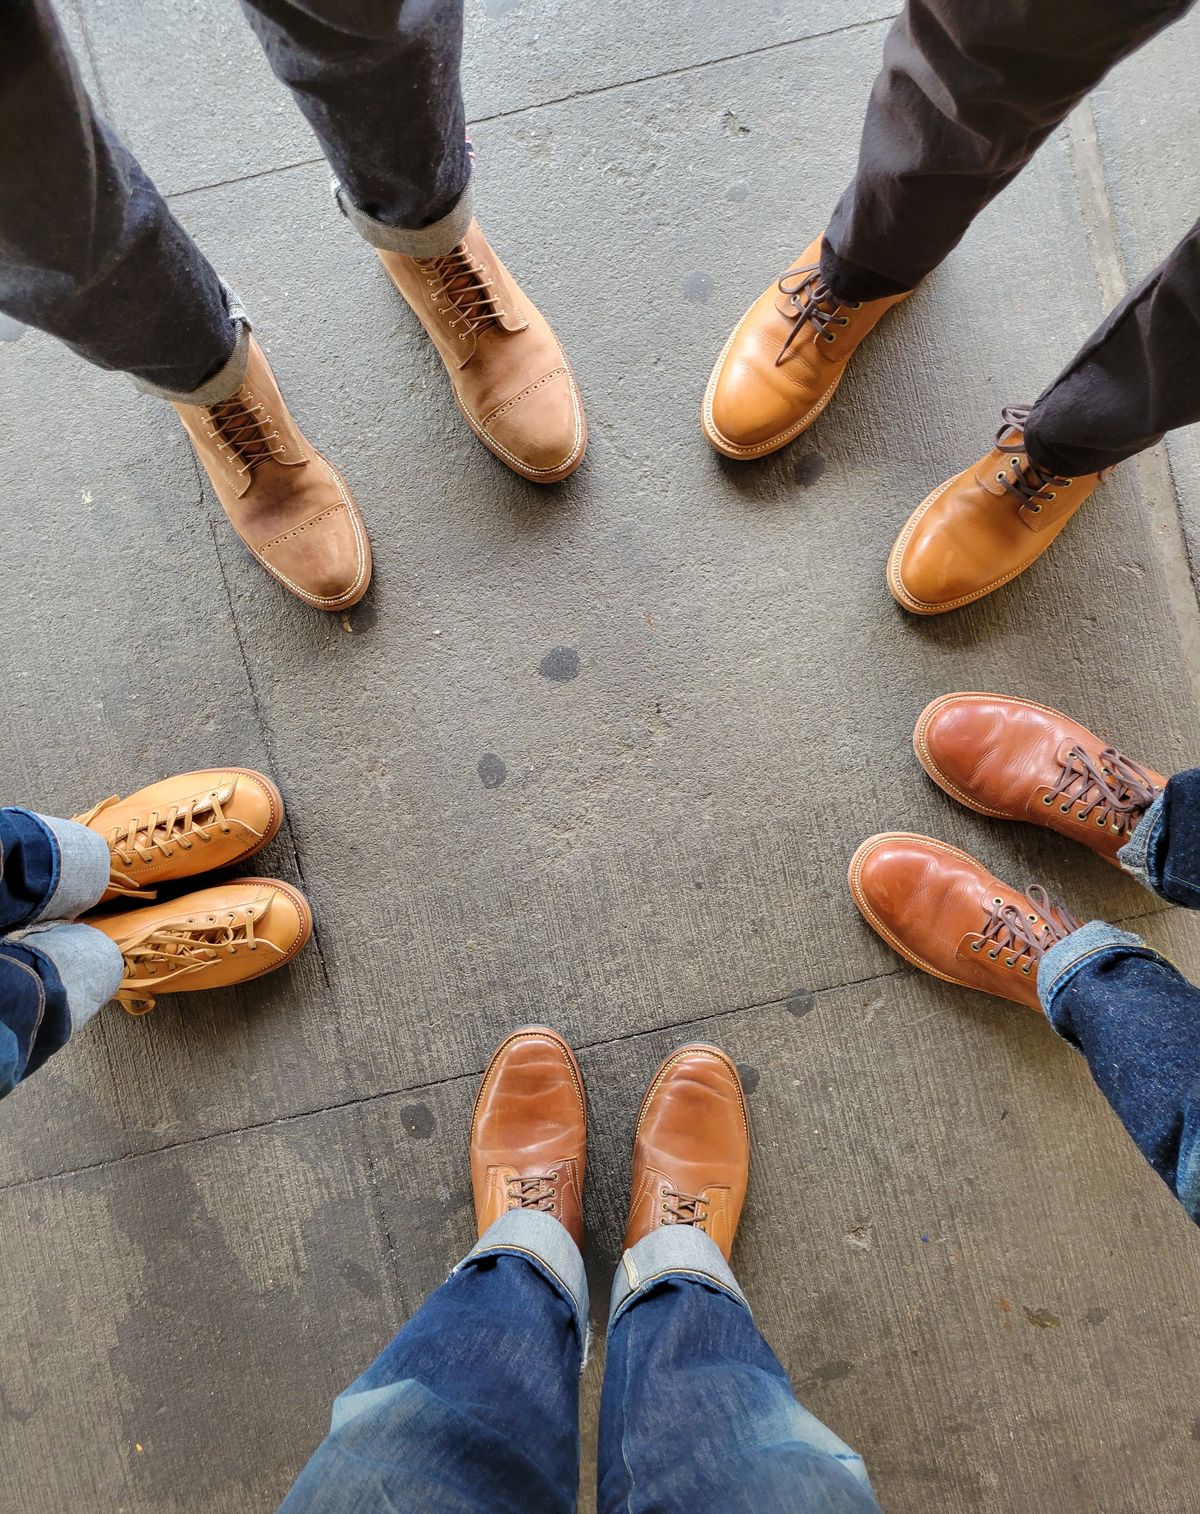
x: 529, y: 1131
x: 213, y: 938
x: 511, y: 378
x: 1022, y: 761
x: 783, y: 361
x: 289, y: 505
x: 192, y: 823
x: 945, y: 913
x: 980, y: 529
x: 691, y: 1152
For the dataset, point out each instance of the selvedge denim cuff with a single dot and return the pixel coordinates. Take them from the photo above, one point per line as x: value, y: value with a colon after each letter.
x: 670, y: 1251
x: 1067, y: 956
x: 84, y: 863
x: 421, y: 242
x: 544, y: 1241
x: 1134, y: 856
x: 228, y: 379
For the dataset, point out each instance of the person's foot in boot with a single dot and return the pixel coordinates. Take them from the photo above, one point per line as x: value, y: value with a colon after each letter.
x: 784, y: 360
x: 213, y: 938
x: 511, y: 378
x: 946, y: 914
x: 529, y: 1131
x: 289, y: 504
x: 980, y: 529
x: 1018, y: 760
x: 691, y: 1151
x: 192, y: 823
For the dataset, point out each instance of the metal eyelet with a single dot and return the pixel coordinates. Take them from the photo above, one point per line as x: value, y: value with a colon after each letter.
x: 999, y: 478
x: 997, y: 901
x: 1065, y: 809
x: 1026, y: 968
x: 1015, y: 461
x: 994, y: 956
x: 1035, y: 509
x: 1101, y: 820
x: 1052, y: 496
x: 976, y: 946
x: 1047, y: 798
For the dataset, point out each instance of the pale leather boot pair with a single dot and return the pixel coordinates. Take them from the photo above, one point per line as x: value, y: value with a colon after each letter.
x: 218, y: 936
x: 976, y: 532
x: 510, y: 378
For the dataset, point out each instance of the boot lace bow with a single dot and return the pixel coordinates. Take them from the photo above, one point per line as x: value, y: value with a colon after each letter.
x: 816, y: 306
x: 1111, y: 789
x: 158, y: 834
x: 180, y: 949
x: 1024, y: 938
x: 462, y: 290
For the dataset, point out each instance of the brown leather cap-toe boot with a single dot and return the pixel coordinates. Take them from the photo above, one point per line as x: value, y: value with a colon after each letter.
x: 213, y: 938
x: 193, y: 823
x: 980, y: 529
x: 946, y: 914
x: 289, y: 504
x: 784, y: 360
x: 529, y: 1131
x: 691, y: 1151
x: 511, y: 378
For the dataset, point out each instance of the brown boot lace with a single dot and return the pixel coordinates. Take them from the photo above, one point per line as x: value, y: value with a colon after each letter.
x: 179, y: 949
x: 161, y: 832
x: 1117, y: 789
x: 241, y: 426
x: 816, y: 306
x: 1025, y: 938
x: 684, y: 1209
x: 1029, y: 484
x: 462, y: 289
x: 537, y: 1191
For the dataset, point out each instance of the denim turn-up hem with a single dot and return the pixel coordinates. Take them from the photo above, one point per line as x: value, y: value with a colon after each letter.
x: 1066, y: 957
x: 228, y: 379
x: 671, y: 1251
x: 1135, y: 855
x: 432, y: 241
x: 83, y: 863
x: 544, y: 1241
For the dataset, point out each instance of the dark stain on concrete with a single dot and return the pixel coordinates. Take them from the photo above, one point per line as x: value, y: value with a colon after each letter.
x: 808, y: 468
x: 732, y: 126
x: 363, y: 617
x: 749, y: 1076
x: 800, y: 1002
x: 1095, y: 1315
x: 1042, y: 1318
x: 491, y: 770
x: 356, y: 1276
x: 560, y: 664
x: 697, y: 287
x: 1196, y: 1429
x: 418, y: 1120
x: 830, y: 1372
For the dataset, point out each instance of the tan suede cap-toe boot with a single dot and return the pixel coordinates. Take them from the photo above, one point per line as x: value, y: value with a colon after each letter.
x: 289, y: 504
x: 511, y: 378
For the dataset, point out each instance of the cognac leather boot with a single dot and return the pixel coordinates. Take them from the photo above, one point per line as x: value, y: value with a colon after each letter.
x: 980, y: 529
x: 691, y: 1152
x: 784, y: 360
x: 511, y: 378
x: 289, y: 504
x: 193, y: 823
x: 946, y: 914
x: 213, y: 938
x: 1022, y: 761
x: 529, y: 1131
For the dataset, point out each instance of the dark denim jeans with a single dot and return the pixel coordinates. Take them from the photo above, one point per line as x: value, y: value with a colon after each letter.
x: 53, y: 975
x: 1130, y: 1012
x: 89, y: 250
x: 473, y: 1407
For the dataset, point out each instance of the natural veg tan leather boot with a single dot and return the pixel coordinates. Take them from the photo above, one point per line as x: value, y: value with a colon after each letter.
x: 980, y: 529
x: 192, y: 823
x: 784, y: 360
x: 691, y: 1151
x: 289, y: 504
x: 210, y: 939
x: 511, y: 378
x: 1022, y: 761
x: 946, y: 914
x: 529, y: 1131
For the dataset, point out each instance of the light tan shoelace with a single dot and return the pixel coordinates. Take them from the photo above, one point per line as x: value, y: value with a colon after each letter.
x: 240, y: 425
x: 160, y: 832
x: 461, y: 289
x: 684, y: 1209
x: 535, y: 1191
x: 1117, y: 790
x: 180, y: 949
x: 1023, y: 939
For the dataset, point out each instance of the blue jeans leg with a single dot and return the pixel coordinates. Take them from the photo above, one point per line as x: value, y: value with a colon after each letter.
x: 1164, y: 850
x: 474, y: 1406
x: 1137, y: 1021
x: 697, y: 1415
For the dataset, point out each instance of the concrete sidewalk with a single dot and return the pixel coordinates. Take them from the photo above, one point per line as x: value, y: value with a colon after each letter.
x: 597, y: 756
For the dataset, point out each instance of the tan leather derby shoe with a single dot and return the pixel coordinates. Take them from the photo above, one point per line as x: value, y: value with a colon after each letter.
x: 529, y: 1131
x: 784, y: 360
x: 1022, y: 761
x: 511, y: 378
x: 289, y: 504
x: 691, y: 1152
x: 213, y: 938
x: 946, y: 914
x: 192, y: 823
x: 980, y: 529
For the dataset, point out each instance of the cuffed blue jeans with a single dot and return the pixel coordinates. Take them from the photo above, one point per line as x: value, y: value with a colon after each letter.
x: 1130, y: 1012
x: 54, y: 973
x: 473, y: 1407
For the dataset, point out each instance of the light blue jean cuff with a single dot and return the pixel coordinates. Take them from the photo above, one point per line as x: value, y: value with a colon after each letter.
x: 669, y: 1251
x: 1066, y: 957
x: 228, y: 379
x: 83, y: 868
x: 89, y: 964
x: 547, y: 1243
x: 1134, y: 856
